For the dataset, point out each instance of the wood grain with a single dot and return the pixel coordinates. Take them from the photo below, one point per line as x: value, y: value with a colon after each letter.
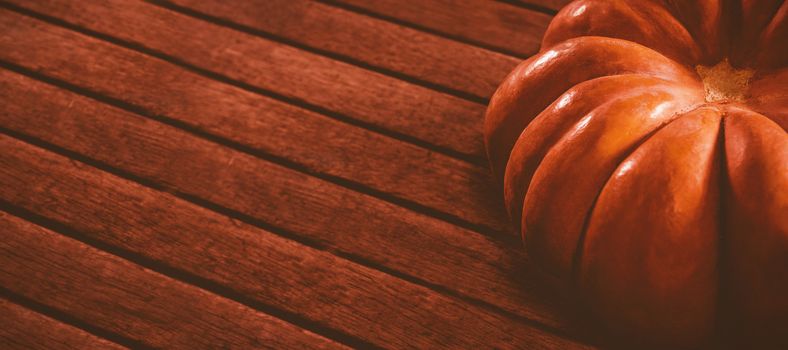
x: 22, y: 328
x: 554, y: 5
x: 369, y: 98
x: 336, y: 149
x: 124, y: 298
x: 354, y: 224
x: 315, y: 174
x: 261, y: 266
x: 370, y: 41
x: 498, y: 25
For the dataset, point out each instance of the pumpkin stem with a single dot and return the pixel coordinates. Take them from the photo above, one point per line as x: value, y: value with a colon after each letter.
x: 723, y: 83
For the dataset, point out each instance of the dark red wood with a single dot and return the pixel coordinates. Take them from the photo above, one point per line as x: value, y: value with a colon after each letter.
x: 361, y: 226
x: 299, y: 76
x: 325, y: 146
x: 24, y: 329
x: 266, y: 268
x: 371, y: 41
x: 261, y: 174
x: 495, y: 24
x: 121, y: 297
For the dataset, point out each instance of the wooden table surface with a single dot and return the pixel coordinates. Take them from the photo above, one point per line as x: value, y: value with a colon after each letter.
x: 268, y: 173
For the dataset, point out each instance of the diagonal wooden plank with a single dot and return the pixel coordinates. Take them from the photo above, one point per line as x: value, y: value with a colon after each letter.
x: 497, y: 25
x: 554, y: 5
x: 372, y: 42
x: 117, y: 295
x: 354, y: 224
x: 22, y: 328
x: 372, y: 99
x: 392, y: 168
x: 175, y: 235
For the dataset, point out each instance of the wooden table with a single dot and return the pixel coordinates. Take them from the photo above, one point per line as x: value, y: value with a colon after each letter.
x: 270, y: 173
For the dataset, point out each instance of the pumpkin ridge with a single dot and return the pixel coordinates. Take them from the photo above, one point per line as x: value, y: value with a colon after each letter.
x: 577, y: 255
x: 767, y: 96
x: 689, y: 32
x: 765, y: 41
x: 770, y: 22
x: 502, y: 126
x: 703, y: 20
x: 644, y: 22
x: 514, y: 205
x: 684, y: 30
x: 550, y: 228
x: 657, y: 261
x: 746, y: 39
x: 756, y: 228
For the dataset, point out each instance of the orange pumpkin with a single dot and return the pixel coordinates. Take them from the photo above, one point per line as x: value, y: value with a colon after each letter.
x: 644, y: 158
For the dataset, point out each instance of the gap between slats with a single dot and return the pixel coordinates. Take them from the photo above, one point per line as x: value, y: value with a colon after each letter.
x: 350, y: 184
x: 235, y: 215
x: 167, y: 271
x: 418, y: 280
x: 178, y: 273
x: 468, y: 158
x: 160, y: 271
x: 426, y: 29
x: 66, y: 319
x: 354, y: 185
x: 530, y: 5
x: 335, y: 56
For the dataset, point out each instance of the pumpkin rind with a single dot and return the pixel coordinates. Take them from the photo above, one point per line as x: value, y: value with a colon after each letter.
x: 578, y: 165
x: 552, y: 123
x: 643, y: 22
x: 538, y: 81
x: 667, y: 211
x: 756, y: 240
x: 661, y: 203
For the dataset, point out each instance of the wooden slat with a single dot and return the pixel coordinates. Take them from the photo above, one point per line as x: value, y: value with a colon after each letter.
x: 22, y: 328
x: 121, y: 297
x: 263, y: 267
x: 355, y: 224
x: 501, y: 26
x: 371, y: 41
x: 554, y: 5
x: 367, y: 97
x: 388, y: 166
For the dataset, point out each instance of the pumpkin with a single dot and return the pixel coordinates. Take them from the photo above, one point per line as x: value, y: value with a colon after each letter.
x: 644, y: 158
